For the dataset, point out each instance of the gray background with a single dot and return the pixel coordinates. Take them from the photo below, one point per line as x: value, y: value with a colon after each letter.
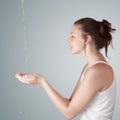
x: 48, y: 24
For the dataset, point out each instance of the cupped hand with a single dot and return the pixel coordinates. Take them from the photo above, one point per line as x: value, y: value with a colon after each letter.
x: 30, y: 78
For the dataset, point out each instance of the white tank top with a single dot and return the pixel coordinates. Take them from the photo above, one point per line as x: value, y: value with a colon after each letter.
x: 102, y: 105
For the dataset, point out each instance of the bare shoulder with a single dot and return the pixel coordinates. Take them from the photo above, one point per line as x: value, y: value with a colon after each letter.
x: 100, y: 74
x: 101, y: 68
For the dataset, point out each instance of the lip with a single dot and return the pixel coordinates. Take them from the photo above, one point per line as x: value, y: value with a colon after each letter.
x: 71, y: 48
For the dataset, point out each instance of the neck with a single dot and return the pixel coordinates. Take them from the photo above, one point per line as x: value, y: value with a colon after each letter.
x: 92, y: 55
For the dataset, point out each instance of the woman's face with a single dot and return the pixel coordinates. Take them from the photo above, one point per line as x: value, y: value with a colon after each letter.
x: 76, y: 41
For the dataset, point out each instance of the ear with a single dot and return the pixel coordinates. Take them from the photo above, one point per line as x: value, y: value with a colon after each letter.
x: 88, y: 39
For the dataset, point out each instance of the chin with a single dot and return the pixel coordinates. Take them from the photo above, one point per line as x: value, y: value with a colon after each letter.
x: 74, y: 53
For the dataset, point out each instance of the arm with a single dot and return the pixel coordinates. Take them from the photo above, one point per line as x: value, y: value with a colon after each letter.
x: 78, y: 83
x: 82, y: 96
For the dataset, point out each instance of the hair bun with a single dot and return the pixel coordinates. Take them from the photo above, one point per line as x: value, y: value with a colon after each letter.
x: 107, y: 26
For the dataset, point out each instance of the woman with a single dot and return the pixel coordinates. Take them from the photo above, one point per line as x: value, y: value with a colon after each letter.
x: 94, y: 94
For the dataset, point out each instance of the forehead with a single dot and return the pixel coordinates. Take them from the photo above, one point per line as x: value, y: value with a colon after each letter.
x: 75, y: 29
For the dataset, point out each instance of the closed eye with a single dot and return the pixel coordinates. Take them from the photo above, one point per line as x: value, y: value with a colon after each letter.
x: 72, y: 36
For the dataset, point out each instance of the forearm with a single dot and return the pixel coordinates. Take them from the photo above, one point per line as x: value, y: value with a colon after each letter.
x: 59, y: 101
x: 69, y: 107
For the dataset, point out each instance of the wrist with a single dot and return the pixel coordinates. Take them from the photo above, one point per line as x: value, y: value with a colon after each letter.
x: 42, y: 82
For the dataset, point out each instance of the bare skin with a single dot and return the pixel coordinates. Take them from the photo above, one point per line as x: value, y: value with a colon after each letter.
x: 84, y: 91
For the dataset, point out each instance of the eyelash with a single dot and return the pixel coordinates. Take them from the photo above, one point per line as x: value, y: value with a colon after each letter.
x: 72, y: 36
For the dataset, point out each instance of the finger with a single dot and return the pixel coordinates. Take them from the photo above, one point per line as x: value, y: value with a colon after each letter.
x: 23, y: 80
x: 18, y: 74
x: 21, y: 75
x: 26, y: 76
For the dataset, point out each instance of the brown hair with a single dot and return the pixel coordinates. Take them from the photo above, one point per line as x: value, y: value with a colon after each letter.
x: 99, y: 30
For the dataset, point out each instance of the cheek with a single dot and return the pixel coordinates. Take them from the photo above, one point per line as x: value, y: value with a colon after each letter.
x: 77, y: 47
x: 81, y: 45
